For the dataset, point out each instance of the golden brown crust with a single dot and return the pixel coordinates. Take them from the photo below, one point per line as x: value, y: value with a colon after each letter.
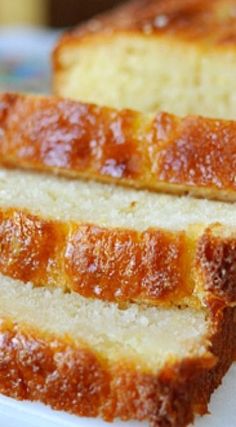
x: 156, y: 266
x: 195, y: 152
x: 125, y: 265
x: 110, y: 264
x: 216, y: 259
x: 68, y: 376
x: 190, y: 155
x: 211, y: 22
x: 30, y: 246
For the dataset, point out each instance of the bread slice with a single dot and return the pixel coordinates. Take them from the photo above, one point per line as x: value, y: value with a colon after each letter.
x: 93, y: 359
x: 173, y: 55
x: 114, y: 243
x: 162, y: 153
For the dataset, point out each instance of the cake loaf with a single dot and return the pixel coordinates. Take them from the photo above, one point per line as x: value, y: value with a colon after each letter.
x: 167, y: 55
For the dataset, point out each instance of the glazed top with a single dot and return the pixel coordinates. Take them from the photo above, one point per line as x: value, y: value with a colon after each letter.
x: 209, y: 21
x: 192, y: 154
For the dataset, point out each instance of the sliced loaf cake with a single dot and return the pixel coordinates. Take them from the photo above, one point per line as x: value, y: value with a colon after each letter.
x: 114, y: 302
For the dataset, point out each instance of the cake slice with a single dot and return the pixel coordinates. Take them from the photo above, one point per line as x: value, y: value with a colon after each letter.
x: 92, y: 358
x: 114, y: 243
x: 173, y: 55
x: 159, y: 152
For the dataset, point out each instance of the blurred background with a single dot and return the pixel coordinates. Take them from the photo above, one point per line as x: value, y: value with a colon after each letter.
x: 29, y: 30
x: 52, y: 13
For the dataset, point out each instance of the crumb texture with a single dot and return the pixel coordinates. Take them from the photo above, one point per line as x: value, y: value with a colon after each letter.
x: 146, y: 336
x: 107, y: 205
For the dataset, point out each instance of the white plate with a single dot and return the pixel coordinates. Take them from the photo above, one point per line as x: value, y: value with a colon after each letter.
x: 14, y: 414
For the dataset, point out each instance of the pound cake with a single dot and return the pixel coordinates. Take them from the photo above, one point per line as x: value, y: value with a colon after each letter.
x: 114, y: 302
x: 159, y: 152
x: 93, y: 358
x: 153, y: 55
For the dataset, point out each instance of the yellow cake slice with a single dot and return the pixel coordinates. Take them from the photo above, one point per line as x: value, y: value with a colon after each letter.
x: 93, y: 359
x: 159, y: 152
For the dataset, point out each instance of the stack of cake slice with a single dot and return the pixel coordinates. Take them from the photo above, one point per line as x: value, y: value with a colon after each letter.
x: 118, y: 228
x: 115, y: 301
